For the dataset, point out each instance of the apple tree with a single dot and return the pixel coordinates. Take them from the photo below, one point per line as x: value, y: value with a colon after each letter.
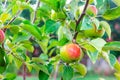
x: 65, y: 30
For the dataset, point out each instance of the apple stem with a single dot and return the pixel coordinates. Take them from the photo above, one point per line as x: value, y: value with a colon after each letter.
x: 78, y: 21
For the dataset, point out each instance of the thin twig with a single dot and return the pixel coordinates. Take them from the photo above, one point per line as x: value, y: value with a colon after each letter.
x: 78, y: 21
x: 18, y: 58
x: 56, y: 71
x: 16, y: 15
x: 35, y: 12
x: 24, y: 71
x: 18, y: 12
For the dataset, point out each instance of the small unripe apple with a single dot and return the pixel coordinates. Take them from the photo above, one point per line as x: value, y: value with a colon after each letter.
x: 2, y: 36
x: 92, y: 10
x: 70, y: 52
x: 93, y: 32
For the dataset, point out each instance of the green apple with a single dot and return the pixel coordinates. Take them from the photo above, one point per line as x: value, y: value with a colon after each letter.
x: 70, y: 52
x: 2, y: 36
x: 92, y: 10
x: 94, y: 32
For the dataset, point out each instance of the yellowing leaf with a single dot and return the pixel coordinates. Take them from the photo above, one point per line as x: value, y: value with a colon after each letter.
x: 4, y: 17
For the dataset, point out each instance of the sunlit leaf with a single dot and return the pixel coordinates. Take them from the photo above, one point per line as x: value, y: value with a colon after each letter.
x: 115, y: 46
x: 68, y: 71
x: 117, y: 2
x: 112, y: 14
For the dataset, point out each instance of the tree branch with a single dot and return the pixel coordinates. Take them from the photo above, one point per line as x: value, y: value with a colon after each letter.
x: 16, y: 15
x: 18, y: 12
x: 35, y: 12
x: 78, y: 21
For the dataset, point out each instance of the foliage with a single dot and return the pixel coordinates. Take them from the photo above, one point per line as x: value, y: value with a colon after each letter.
x: 50, y: 25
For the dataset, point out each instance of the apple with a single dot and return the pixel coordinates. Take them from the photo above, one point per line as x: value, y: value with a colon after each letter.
x: 2, y: 36
x: 70, y: 52
x: 92, y: 10
x: 94, y: 32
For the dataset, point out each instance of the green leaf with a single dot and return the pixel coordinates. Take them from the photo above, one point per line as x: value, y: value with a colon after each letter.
x: 55, y: 59
x: 117, y: 66
x: 93, y: 55
x: 15, y: 8
x: 51, y: 26
x: 93, y: 48
x: 54, y: 4
x: 98, y: 43
x: 107, y: 28
x: 117, y: 2
x: 42, y: 12
x: 41, y: 67
x: 102, y: 5
x: 112, y: 59
x: 2, y: 69
x: 67, y: 73
x: 44, y: 56
x: 73, y: 5
x: 43, y: 76
x: 3, y: 63
x: 86, y: 23
x: 37, y: 60
x: 29, y: 66
x: 117, y: 76
x: 64, y: 33
x: 50, y: 68
x: 33, y: 29
x: 14, y: 29
x: 115, y: 46
x: 53, y: 43
x: 21, y: 36
x: 29, y: 47
x: 63, y: 41
x: 10, y: 76
x: 18, y: 63
x: 105, y: 55
x: 80, y: 68
x: 62, y: 3
x: 2, y: 53
x: 44, y: 43
x: 112, y: 14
